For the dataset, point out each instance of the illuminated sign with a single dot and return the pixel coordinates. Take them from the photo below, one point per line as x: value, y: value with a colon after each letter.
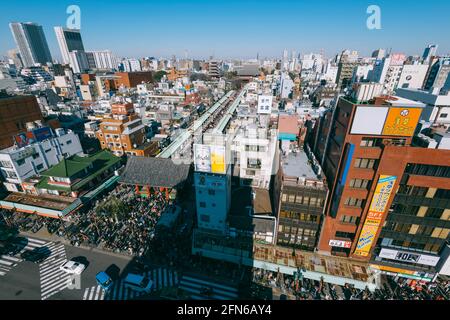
x: 377, y: 208
x: 401, y: 121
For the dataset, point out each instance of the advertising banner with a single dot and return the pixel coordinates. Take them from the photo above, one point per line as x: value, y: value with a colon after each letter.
x: 401, y: 121
x: 217, y: 159
x: 377, y: 208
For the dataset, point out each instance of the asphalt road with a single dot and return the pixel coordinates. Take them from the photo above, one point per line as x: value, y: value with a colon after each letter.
x: 23, y: 281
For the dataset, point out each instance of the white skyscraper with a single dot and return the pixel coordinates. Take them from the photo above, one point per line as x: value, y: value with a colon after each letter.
x: 68, y: 41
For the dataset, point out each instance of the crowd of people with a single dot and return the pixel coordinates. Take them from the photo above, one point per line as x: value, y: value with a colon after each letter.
x: 122, y: 221
x: 393, y: 289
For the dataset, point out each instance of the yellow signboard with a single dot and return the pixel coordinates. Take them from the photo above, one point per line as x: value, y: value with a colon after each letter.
x: 401, y: 121
x: 218, y: 159
x: 377, y: 208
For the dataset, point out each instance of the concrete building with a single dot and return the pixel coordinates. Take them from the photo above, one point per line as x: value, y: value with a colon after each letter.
x: 104, y: 59
x: 302, y: 201
x: 123, y: 133
x: 38, y: 153
x: 31, y: 42
x: 68, y: 40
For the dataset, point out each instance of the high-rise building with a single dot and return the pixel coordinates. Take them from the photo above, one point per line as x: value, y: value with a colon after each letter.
x: 69, y: 40
x: 31, y: 42
x: 429, y: 52
x: 370, y: 156
x: 104, y: 59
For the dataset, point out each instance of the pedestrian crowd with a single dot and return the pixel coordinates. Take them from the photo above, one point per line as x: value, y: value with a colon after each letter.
x: 393, y: 289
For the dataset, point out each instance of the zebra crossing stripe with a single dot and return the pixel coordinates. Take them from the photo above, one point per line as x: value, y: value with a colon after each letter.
x: 10, y: 258
x: 8, y: 263
x: 97, y: 293
x: 86, y: 291
x: 91, y: 294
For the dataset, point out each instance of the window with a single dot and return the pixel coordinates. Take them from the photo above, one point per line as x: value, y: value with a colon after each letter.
x: 69, y: 142
x: 348, y: 219
x: 292, y: 198
x: 254, y: 163
x: 39, y: 167
x: 346, y: 235
x: 36, y: 155
x: 370, y: 142
x: 443, y: 115
x: 359, y: 183
x: 48, y: 150
x: 434, y: 213
x: 299, y: 199
x: 284, y: 197
x: 211, y: 192
x: 204, y: 218
x: 365, y: 163
x: 20, y: 162
x: 202, y: 204
x: 353, y: 202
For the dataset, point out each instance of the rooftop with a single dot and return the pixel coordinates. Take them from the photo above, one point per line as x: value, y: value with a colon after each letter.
x: 44, y: 200
x: 297, y: 164
x: 155, y: 172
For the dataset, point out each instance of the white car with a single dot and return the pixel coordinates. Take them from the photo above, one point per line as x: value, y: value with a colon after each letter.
x: 73, y: 267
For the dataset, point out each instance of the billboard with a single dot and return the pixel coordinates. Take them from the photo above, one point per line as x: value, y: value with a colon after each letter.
x: 389, y: 121
x: 208, y: 158
x: 25, y: 138
x: 401, y: 121
x: 409, y: 257
x: 369, y: 120
x: 377, y: 208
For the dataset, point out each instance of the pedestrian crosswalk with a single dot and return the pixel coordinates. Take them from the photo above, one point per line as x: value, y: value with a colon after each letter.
x: 53, y: 280
x: 194, y: 287
x: 161, y: 278
x: 8, y: 262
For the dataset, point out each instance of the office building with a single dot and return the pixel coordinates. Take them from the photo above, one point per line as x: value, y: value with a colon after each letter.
x: 303, y: 196
x: 31, y: 42
x: 68, y: 40
x: 369, y: 157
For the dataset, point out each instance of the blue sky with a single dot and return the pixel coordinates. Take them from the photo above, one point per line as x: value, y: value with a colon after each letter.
x: 237, y: 28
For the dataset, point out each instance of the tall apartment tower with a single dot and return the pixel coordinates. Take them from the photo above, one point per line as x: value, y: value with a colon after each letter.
x: 31, y: 42
x: 68, y: 40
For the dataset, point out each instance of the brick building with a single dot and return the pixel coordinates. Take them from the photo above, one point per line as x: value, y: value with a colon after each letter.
x: 15, y: 112
x: 375, y: 175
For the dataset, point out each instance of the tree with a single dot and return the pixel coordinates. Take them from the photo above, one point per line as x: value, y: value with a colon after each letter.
x: 158, y: 75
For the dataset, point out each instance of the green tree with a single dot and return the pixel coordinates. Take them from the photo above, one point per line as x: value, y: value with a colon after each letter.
x: 158, y: 75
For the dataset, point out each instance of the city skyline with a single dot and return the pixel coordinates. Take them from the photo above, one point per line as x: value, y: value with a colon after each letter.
x: 238, y: 33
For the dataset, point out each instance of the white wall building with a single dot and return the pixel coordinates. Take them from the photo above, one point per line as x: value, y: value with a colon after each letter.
x: 19, y: 164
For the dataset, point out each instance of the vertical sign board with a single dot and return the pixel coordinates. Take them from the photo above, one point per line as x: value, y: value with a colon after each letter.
x: 377, y: 208
x: 217, y: 159
x: 350, y: 148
